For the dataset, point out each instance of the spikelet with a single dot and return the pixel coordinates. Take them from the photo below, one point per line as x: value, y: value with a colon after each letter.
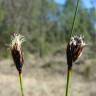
x: 16, y: 50
x: 74, y: 49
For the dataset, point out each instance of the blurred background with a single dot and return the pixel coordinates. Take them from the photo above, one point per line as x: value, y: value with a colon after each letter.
x: 46, y: 25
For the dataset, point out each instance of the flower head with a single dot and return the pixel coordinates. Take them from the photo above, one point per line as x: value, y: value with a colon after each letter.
x: 74, y: 49
x: 16, y: 50
x: 16, y: 39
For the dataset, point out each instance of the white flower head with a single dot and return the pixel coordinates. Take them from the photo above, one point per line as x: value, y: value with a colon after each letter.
x: 78, y: 40
x: 16, y: 39
x: 75, y: 48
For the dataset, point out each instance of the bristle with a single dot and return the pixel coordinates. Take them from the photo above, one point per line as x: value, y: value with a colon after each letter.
x: 17, y: 39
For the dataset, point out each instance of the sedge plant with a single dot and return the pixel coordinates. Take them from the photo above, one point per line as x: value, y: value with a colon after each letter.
x: 74, y: 51
x: 17, y: 54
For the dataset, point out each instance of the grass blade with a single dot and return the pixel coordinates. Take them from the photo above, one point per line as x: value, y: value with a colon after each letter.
x: 73, y: 23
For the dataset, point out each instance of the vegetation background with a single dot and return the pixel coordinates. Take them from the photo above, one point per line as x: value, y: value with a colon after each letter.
x: 46, y: 26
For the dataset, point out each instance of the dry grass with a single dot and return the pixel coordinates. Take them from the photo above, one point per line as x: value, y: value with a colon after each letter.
x: 46, y: 80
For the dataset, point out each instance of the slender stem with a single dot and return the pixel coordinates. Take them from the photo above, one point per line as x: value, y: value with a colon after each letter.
x: 21, y: 85
x: 73, y: 23
x: 68, y: 81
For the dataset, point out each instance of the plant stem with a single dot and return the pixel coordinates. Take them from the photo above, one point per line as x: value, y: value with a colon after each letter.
x: 73, y: 23
x: 68, y: 80
x: 21, y: 85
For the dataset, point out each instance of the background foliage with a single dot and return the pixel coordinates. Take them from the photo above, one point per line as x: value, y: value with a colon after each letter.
x: 45, y: 24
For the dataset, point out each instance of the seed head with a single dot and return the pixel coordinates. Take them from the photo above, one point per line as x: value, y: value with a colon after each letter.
x: 16, y: 50
x: 74, y: 49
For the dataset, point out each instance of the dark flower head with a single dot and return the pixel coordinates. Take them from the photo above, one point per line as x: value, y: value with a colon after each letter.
x: 16, y: 50
x: 74, y: 49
